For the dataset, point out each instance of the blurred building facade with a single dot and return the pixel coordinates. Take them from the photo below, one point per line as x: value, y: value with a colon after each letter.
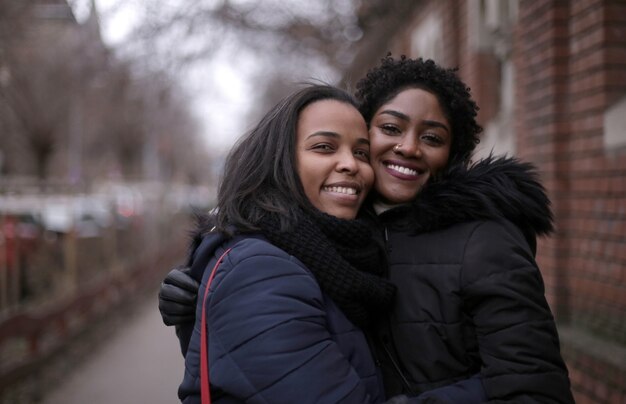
x: 550, y: 79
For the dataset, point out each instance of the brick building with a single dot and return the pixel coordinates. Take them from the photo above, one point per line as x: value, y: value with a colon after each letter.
x: 550, y: 79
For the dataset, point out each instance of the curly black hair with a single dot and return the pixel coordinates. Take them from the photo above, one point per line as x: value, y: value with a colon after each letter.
x: 384, y: 82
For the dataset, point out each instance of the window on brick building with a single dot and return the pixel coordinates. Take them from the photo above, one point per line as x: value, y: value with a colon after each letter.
x: 614, y: 124
x: 490, y: 24
x: 426, y: 39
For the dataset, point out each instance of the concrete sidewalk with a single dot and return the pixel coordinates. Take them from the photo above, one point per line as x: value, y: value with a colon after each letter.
x: 141, y: 363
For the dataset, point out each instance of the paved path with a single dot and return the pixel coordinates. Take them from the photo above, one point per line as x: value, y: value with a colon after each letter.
x: 139, y: 364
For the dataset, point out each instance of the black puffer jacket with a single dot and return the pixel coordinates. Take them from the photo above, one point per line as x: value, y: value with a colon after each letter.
x: 470, y: 295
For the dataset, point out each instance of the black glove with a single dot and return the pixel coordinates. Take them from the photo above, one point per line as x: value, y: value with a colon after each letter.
x: 177, y: 297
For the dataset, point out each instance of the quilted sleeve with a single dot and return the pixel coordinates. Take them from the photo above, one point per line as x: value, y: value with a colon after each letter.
x: 268, y: 339
x: 517, y: 338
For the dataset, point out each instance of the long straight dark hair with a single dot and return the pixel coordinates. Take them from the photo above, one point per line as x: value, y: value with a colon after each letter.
x: 260, y: 174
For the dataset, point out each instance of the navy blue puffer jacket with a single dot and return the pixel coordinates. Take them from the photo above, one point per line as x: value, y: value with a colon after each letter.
x: 274, y: 337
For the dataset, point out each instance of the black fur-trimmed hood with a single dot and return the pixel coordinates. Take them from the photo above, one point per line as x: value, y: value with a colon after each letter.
x: 490, y: 189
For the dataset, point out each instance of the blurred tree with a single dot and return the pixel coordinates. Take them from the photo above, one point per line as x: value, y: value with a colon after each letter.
x: 291, y: 40
x: 45, y: 66
x: 71, y: 109
x: 150, y: 121
x: 283, y: 28
x: 117, y: 144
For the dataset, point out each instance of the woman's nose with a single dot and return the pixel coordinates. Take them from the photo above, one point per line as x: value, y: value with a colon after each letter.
x: 410, y: 148
x: 347, y: 163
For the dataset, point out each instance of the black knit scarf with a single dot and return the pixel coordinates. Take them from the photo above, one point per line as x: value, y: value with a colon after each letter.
x: 344, y: 258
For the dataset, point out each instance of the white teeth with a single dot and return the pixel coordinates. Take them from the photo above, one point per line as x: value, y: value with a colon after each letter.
x: 341, y: 190
x: 403, y: 170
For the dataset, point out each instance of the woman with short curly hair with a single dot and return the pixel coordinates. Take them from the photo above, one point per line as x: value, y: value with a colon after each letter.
x: 394, y: 75
x: 460, y: 241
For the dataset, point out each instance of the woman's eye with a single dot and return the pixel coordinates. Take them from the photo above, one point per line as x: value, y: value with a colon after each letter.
x: 432, y: 138
x: 325, y: 147
x: 390, y: 129
x: 362, y: 154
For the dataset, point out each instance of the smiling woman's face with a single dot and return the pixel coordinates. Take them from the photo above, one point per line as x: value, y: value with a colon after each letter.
x: 332, y: 157
x: 414, y: 120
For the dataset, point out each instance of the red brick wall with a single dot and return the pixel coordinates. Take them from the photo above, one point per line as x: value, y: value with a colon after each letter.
x: 571, y: 68
x: 598, y: 194
x: 598, y: 220
x: 542, y: 118
x: 567, y: 63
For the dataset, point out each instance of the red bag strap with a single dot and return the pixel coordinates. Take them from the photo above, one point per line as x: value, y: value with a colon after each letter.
x: 205, y: 391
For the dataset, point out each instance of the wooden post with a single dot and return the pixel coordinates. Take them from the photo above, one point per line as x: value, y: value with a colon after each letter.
x: 4, y: 286
x: 69, y: 260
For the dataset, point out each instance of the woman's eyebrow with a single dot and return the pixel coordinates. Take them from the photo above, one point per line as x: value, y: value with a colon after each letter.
x: 395, y: 113
x: 405, y: 117
x: 436, y: 124
x: 324, y: 133
x: 335, y: 135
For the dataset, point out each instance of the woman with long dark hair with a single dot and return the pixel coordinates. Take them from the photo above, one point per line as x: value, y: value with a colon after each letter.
x: 281, y: 321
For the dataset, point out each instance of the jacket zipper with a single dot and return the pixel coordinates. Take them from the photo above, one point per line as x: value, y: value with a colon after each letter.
x: 394, y: 363
x: 398, y: 370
